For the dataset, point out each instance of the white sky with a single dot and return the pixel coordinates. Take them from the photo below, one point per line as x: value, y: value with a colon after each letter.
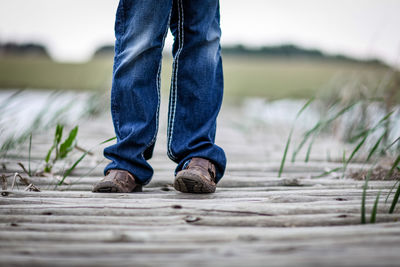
x: 73, y: 29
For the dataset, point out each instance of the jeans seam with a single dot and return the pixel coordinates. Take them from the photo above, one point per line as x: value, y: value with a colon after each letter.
x: 158, y: 85
x: 122, y: 25
x: 120, y: 19
x: 175, y: 79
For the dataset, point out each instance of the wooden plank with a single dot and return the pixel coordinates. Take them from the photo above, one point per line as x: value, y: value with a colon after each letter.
x: 254, y: 219
x: 267, y: 248
x: 297, y: 194
x: 186, y: 232
x: 124, y: 210
x: 236, y: 168
x: 228, y: 181
x: 225, y: 256
x: 207, y: 220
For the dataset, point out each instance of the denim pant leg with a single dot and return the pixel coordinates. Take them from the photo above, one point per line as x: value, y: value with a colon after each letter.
x: 140, y: 30
x: 197, y: 83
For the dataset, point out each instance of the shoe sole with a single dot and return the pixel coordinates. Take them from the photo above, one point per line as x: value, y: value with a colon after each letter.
x: 109, y: 187
x: 189, y: 182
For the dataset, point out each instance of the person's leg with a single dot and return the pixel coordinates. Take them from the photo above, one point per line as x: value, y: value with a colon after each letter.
x: 140, y: 29
x: 197, y: 83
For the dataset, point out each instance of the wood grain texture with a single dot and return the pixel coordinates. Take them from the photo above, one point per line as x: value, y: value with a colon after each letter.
x: 254, y: 218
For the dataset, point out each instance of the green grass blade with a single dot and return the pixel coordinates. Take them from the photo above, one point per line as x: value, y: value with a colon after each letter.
x: 364, y: 196
x: 385, y: 118
x: 341, y: 112
x: 397, y: 194
x: 69, y: 143
x: 394, y: 142
x: 377, y: 125
x: 285, y: 153
x: 375, y: 147
x: 59, y: 132
x: 327, y: 172
x: 375, y: 208
x: 395, y: 164
x: 395, y: 200
x: 344, y: 156
x: 310, y: 146
x: 305, y: 138
x: 57, y: 138
x: 356, y: 149
x: 319, y: 126
x: 304, y: 107
x: 391, y: 190
x: 4, y: 104
x: 29, y: 156
x: 48, y: 155
x: 72, y: 167
x: 290, y: 136
x: 68, y: 172
x: 353, y: 153
x: 108, y: 140
x: 359, y: 135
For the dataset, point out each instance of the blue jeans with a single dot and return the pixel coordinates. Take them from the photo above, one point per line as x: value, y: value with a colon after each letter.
x: 196, y: 86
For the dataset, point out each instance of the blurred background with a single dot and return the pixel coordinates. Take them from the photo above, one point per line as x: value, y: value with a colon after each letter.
x: 312, y: 96
x: 272, y: 50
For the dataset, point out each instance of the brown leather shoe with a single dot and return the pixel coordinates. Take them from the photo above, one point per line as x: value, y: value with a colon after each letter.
x: 117, y: 181
x: 197, y: 177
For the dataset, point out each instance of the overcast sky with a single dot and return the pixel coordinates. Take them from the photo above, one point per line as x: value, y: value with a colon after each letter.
x: 73, y: 29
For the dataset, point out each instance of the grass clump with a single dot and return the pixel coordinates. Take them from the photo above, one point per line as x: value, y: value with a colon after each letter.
x: 290, y: 136
x: 366, y: 119
x: 61, y: 149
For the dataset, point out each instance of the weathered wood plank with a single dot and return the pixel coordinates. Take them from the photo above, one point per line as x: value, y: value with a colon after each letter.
x: 207, y: 220
x: 124, y: 210
x: 228, y: 181
x: 277, y: 247
x: 254, y: 219
x: 287, y: 193
x: 181, y: 233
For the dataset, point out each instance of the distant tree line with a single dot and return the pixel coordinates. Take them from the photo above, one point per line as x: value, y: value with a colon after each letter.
x: 285, y: 50
x: 105, y: 50
x: 290, y: 51
x: 26, y: 49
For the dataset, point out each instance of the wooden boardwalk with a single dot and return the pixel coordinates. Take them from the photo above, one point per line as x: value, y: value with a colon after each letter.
x: 254, y: 218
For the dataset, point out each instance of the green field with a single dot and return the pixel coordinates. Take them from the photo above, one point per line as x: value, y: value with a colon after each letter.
x: 268, y: 77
